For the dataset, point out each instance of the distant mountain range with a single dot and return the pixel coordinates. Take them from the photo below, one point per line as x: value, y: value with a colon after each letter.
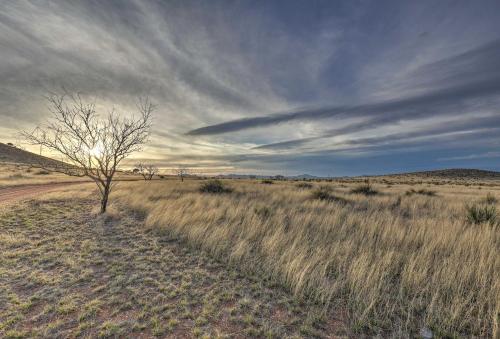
x: 451, y: 173
x: 13, y: 154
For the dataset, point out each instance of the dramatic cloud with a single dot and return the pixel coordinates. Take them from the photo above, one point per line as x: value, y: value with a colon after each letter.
x: 269, y: 87
x: 469, y: 76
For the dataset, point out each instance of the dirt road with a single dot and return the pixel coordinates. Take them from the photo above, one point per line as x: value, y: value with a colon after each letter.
x: 11, y: 194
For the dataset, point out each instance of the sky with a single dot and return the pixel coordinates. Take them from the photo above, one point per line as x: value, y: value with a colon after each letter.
x: 328, y: 88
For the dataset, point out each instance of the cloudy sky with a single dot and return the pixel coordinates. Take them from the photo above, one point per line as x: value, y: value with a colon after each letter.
x: 272, y: 87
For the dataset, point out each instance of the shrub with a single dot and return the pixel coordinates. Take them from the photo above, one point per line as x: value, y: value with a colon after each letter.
x: 214, y: 186
x: 267, y: 182
x: 422, y: 191
x: 323, y: 193
x: 305, y: 185
x: 365, y: 189
x: 490, y: 199
x: 478, y: 214
x: 42, y: 172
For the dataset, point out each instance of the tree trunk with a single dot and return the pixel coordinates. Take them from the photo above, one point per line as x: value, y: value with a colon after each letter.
x: 104, y: 199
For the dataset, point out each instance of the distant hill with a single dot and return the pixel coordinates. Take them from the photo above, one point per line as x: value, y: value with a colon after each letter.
x: 13, y: 154
x: 453, y: 173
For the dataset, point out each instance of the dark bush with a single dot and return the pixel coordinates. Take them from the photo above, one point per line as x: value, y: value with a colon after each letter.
x: 478, y: 214
x: 422, y: 191
x: 214, y: 186
x: 324, y: 194
x: 305, y: 185
x: 365, y: 189
x: 267, y: 181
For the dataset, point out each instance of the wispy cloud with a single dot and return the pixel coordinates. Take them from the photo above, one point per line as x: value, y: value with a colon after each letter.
x: 473, y: 156
x: 470, y: 76
x: 264, y: 86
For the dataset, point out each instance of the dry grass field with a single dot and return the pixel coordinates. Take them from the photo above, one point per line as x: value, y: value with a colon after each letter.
x: 16, y: 174
x: 21, y: 174
x: 253, y: 258
x: 67, y: 273
x: 393, y: 259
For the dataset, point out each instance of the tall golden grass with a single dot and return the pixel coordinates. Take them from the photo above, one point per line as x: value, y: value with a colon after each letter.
x: 393, y: 262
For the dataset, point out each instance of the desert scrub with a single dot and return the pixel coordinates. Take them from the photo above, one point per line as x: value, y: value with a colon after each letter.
x: 480, y: 213
x: 267, y: 181
x: 215, y: 186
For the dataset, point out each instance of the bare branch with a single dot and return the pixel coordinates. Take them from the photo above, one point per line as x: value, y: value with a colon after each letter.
x: 148, y: 171
x: 91, y: 146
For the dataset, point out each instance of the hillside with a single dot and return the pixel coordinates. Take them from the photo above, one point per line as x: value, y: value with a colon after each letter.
x: 453, y: 173
x: 12, y: 154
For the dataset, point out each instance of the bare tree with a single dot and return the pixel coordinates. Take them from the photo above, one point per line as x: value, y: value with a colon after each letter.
x: 148, y: 171
x: 182, y: 172
x: 90, y: 146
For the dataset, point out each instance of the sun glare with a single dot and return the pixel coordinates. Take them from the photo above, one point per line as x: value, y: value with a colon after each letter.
x: 95, y: 151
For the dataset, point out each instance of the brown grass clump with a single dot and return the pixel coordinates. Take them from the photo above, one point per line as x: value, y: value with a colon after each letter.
x: 393, y: 267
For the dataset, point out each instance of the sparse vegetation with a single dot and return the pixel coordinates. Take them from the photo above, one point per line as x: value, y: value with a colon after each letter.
x: 267, y: 181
